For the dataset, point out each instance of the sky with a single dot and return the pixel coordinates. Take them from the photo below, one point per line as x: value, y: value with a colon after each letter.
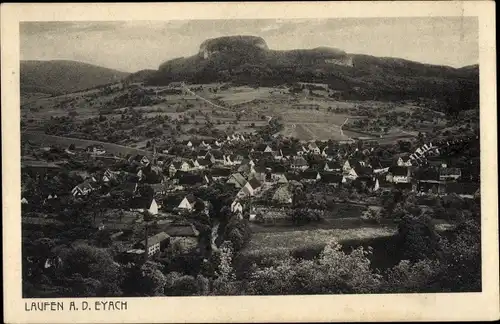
x: 131, y: 46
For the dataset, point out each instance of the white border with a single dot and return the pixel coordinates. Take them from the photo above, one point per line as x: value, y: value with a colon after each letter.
x: 402, y: 307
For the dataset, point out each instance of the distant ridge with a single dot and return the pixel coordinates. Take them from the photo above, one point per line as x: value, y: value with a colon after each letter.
x: 248, y: 60
x: 63, y: 76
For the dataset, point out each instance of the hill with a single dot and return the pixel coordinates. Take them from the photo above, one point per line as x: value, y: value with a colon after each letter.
x: 59, y: 76
x: 247, y: 60
x: 139, y: 76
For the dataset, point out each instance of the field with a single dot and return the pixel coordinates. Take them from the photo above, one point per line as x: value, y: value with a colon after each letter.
x: 251, y: 106
x: 241, y: 95
x: 269, y: 243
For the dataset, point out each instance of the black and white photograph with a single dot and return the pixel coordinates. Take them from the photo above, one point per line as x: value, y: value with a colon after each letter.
x: 250, y: 157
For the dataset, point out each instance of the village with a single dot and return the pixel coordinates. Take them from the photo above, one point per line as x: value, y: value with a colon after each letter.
x: 262, y: 183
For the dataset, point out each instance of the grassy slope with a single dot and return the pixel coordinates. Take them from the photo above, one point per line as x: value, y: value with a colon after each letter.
x: 56, y: 77
x: 39, y: 137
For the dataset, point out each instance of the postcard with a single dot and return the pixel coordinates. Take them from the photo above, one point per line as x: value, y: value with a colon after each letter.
x: 249, y: 162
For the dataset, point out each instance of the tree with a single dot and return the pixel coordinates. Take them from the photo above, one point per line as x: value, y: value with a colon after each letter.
x: 225, y: 284
x: 333, y: 272
x: 185, y: 285
x: 144, y: 280
x: 93, y: 263
x: 419, y: 239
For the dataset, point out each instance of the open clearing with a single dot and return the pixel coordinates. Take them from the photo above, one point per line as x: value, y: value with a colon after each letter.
x: 289, y: 241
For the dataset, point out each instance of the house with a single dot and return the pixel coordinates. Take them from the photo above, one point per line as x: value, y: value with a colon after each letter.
x: 201, y: 154
x: 247, y: 162
x: 292, y: 176
x: 404, y: 161
x: 127, y: 187
x: 187, y: 203
x: 188, y: 144
x: 313, y: 148
x: 203, y: 163
x: 83, y: 189
x: 181, y: 230
x: 278, y: 174
x: 250, y: 188
x: 161, y: 160
x: 468, y: 190
x: 178, y: 166
x: 220, y: 173
x: 331, y: 153
x: 299, y: 163
x: 288, y: 152
x: 246, y: 169
x: 159, y: 188
x: 349, y: 165
x: 302, y: 151
x: 271, y: 155
x: 189, y: 179
x: 282, y: 195
x: 142, y: 204
x: 24, y: 201
x: 259, y: 173
x: 262, y: 148
x: 150, y: 174
x: 447, y: 174
x: 398, y: 174
x: 332, y: 166
x: 232, y: 159
x: 332, y: 178
x: 139, y: 158
x: 154, y: 243
x: 368, y: 182
x: 237, y: 159
x: 96, y: 149
x: 236, y: 207
x: 207, y: 143
x: 310, y: 176
x: 279, y: 178
x: 237, y: 180
x: 380, y: 166
x: 216, y: 156
x: 277, y: 155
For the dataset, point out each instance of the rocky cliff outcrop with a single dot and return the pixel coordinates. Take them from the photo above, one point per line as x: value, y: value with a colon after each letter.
x: 231, y: 44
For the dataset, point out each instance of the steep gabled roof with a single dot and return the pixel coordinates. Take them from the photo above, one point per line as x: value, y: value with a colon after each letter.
x: 217, y: 154
x: 157, y: 238
x: 331, y: 177
x: 309, y: 174
x: 399, y: 170
x: 142, y: 202
x: 204, y: 162
x: 333, y: 165
x: 300, y: 161
x: 180, y: 230
x: 278, y: 168
x: 363, y: 171
x: 186, y: 178
x: 202, y: 152
x: 177, y: 164
x: 288, y: 151
x: 220, y: 172
x: 254, y: 183
x: 239, y: 178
